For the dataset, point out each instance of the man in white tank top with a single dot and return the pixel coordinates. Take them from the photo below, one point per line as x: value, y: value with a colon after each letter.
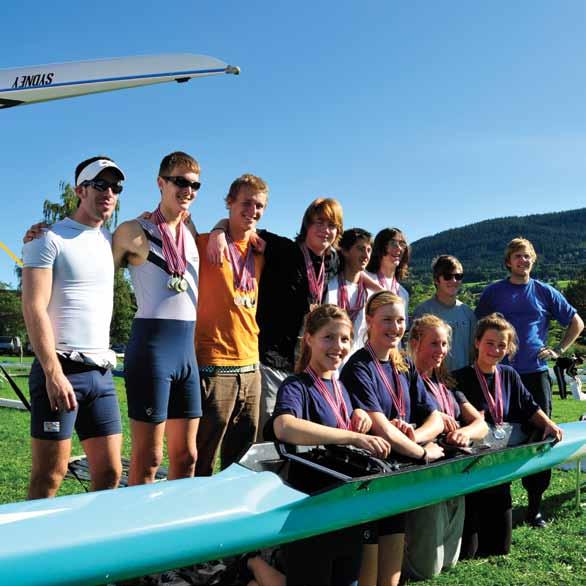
x: 67, y: 285
x: 162, y: 379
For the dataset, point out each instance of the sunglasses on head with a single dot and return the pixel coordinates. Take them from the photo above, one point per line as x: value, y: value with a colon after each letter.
x: 455, y: 276
x: 102, y: 185
x: 182, y: 183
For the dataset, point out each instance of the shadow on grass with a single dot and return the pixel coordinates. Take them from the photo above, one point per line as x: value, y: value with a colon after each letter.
x: 550, y: 507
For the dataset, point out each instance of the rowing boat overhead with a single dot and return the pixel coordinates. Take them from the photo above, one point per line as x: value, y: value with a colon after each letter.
x: 40, y: 83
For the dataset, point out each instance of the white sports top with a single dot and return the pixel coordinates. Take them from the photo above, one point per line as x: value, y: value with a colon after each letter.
x: 80, y: 307
x: 149, y: 279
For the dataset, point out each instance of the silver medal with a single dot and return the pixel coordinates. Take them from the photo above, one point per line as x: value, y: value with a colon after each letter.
x: 181, y: 285
x: 499, y: 432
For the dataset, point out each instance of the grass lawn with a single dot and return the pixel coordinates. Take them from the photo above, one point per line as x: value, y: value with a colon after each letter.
x: 554, y: 556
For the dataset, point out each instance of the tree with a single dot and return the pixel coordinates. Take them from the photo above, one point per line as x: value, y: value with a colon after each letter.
x: 11, y: 320
x: 124, y: 309
x: 576, y: 295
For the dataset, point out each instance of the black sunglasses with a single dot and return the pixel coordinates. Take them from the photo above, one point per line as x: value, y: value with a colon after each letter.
x: 182, y: 183
x: 456, y: 276
x: 101, y: 185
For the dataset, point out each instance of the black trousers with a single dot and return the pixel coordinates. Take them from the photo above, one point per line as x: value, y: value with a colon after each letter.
x: 488, y: 524
x: 561, y: 380
x: 330, y: 558
x: 539, y: 385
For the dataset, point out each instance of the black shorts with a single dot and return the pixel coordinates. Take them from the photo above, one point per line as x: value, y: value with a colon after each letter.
x: 392, y: 525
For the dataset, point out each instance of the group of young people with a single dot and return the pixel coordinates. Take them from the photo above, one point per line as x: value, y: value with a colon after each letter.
x: 242, y: 334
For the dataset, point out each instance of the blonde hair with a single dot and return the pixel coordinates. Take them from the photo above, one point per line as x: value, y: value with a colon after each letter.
x: 517, y: 244
x: 377, y: 301
x: 255, y: 183
x: 418, y: 329
x: 496, y: 321
x: 315, y: 321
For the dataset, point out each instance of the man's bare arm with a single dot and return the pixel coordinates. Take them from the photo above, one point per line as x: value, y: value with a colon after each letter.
x: 36, y: 292
x: 573, y: 330
x: 129, y: 244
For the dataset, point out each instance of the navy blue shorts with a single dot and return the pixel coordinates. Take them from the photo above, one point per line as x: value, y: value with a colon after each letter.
x: 97, y: 413
x: 160, y: 369
x: 386, y: 526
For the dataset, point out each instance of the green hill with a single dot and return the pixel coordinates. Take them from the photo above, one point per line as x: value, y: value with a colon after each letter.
x: 559, y: 238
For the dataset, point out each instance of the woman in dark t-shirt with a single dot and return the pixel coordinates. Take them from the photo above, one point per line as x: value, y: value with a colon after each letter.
x: 386, y: 385
x: 433, y: 534
x: 314, y: 408
x: 498, y: 392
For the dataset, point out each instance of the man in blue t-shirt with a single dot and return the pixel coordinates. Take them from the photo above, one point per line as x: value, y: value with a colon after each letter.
x: 530, y: 305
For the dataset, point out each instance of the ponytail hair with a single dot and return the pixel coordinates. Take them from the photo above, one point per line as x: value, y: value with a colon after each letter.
x: 314, y: 321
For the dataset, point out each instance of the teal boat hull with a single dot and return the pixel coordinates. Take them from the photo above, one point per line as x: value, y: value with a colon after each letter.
x: 96, y: 538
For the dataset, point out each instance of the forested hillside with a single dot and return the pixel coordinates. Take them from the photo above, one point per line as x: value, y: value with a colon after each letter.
x: 559, y: 238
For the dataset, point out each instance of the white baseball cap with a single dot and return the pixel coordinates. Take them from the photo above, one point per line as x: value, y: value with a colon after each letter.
x: 92, y: 170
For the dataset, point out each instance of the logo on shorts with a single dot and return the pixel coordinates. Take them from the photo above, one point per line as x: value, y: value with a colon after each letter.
x: 149, y: 411
x: 51, y: 426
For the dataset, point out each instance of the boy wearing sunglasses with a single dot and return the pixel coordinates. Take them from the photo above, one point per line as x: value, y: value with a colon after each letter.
x: 160, y: 368
x: 529, y: 305
x: 67, y: 285
x: 447, y: 278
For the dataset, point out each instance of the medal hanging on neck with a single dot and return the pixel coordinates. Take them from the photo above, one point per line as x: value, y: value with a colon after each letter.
x: 393, y: 287
x: 316, y: 283
x: 336, y: 403
x: 344, y: 301
x: 495, y: 404
x: 395, y: 393
x: 243, y: 274
x: 443, y: 397
x: 173, y: 252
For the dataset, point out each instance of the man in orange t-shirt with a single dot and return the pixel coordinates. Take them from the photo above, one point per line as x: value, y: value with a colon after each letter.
x: 226, y: 339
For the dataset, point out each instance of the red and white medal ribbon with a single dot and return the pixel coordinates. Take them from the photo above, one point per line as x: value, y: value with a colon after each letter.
x: 344, y: 301
x: 443, y: 397
x: 173, y: 251
x: 383, y: 282
x: 336, y: 403
x: 242, y: 266
x: 395, y: 393
x: 316, y: 283
x: 495, y: 404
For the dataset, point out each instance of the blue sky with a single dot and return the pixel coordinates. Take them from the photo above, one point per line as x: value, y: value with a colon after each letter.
x: 418, y: 114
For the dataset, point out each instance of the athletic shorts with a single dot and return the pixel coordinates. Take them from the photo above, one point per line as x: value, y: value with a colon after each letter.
x: 160, y: 369
x: 97, y: 413
x: 386, y: 526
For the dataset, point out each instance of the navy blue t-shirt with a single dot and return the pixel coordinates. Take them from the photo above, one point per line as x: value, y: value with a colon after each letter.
x: 457, y: 399
x: 368, y: 391
x: 298, y: 396
x: 518, y: 404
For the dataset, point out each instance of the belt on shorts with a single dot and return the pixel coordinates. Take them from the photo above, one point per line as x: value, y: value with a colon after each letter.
x: 74, y: 367
x: 227, y: 370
